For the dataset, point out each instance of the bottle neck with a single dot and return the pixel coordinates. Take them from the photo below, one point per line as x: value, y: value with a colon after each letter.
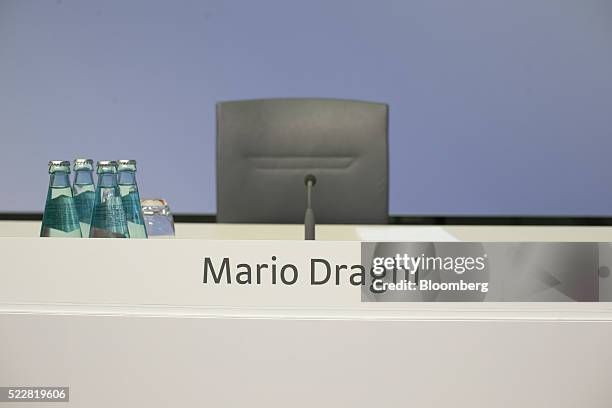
x: 127, y: 177
x: 107, y: 180
x: 59, y: 179
x: 83, y: 177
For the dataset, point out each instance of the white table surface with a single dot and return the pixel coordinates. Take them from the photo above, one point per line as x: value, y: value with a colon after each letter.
x: 363, y: 232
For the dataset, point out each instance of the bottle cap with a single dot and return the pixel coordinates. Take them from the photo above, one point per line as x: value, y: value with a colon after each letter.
x: 59, y: 165
x: 127, y: 165
x: 105, y: 163
x: 83, y: 164
x: 107, y: 166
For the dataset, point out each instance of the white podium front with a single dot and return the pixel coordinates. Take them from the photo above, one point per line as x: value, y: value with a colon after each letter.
x: 131, y: 323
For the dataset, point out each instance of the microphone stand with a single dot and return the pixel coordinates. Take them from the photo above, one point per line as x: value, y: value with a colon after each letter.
x: 309, y: 218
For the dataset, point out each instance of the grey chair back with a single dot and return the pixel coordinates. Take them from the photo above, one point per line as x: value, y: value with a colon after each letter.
x: 266, y: 147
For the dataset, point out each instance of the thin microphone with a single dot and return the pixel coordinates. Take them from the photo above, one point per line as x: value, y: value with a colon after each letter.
x: 309, y: 218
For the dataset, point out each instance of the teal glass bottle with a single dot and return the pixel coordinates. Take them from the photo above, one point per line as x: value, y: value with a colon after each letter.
x: 84, y: 192
x: 131, y: 198
x: 108, y: 217
x: 60, y: 218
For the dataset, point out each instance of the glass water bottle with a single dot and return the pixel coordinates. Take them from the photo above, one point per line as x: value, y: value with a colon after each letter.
x: 131, y: 198
x: 108, y: 218
x: 84, y: 192
x: 60, y: 218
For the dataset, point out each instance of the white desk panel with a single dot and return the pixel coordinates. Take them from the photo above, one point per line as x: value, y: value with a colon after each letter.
x: 151, y: 335
x: 164, y: 278
x: 160, y: 362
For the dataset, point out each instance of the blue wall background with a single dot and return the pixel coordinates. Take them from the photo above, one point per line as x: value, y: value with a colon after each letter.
x: 497, y: 107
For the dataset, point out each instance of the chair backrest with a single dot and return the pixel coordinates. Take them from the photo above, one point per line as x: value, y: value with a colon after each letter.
x: 266, y: 147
